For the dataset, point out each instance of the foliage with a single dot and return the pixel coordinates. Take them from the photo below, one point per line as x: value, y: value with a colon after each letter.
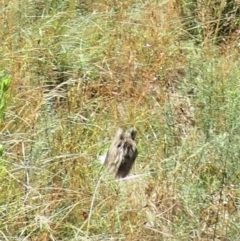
x: 80, y: 70
x: 4, y: 85
x: 211, y: 20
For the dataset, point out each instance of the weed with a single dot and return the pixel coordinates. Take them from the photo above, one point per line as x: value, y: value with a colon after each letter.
x: 78, y: 71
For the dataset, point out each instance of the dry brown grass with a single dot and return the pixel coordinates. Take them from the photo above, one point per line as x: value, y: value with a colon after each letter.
x: 80, y: 71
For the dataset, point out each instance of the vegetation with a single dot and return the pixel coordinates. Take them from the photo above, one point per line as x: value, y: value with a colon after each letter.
x: 80, y: 70
x: 4, y: 85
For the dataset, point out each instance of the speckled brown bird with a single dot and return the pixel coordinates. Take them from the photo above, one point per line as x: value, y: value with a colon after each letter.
x: 122, y: 153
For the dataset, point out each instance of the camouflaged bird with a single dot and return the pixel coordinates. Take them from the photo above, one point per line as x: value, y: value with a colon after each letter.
x: 122, y: 153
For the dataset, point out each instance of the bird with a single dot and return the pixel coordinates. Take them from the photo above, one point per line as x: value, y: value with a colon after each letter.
x: 122, y: 153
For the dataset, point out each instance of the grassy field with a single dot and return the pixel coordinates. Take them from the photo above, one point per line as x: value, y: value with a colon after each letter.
x: 79, y: 70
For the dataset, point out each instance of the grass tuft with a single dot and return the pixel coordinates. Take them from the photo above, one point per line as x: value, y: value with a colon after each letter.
x: 80, y: 70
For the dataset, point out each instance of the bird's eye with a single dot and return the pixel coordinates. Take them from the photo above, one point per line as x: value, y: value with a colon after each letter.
x: 119, y: 145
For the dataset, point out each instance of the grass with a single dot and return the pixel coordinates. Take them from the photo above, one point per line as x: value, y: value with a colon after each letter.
x: 78, y: 71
